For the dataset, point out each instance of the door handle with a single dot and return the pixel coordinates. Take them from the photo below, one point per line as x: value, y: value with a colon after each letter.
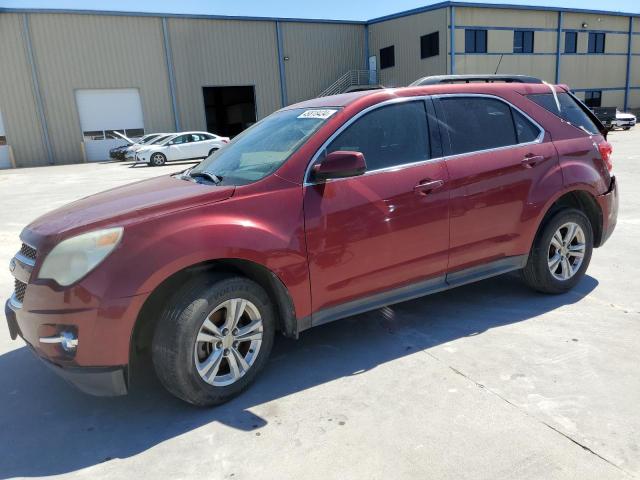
x: 428, y: 186
x: 531, y: 160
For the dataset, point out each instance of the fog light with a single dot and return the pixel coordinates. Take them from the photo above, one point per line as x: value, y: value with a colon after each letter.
x: 67, y: 340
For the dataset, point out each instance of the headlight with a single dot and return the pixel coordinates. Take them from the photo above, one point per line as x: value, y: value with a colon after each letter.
x: 74, y: 257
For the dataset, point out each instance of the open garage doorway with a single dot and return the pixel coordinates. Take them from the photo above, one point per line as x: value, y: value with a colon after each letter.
x: 229, y: 110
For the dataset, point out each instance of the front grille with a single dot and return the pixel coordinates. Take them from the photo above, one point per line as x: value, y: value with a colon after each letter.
x: 20, y: 288
x: 28, y: 251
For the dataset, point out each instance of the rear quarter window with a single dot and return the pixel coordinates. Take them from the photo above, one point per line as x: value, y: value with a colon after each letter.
x: 570, y: 110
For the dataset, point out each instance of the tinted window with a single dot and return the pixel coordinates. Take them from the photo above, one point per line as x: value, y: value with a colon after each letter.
x: 476, y: 123
x: 593, y: 98
x: 387, y: 57
x: 475, y: 41
x: 570, y: 110
x: 180, y: 139
x: 596, y: 42
x: 134, y: 132
x: 525, y: 130
x: 570, y: 42
x: 523, y: 41
x: 388, y: 136
x: 430, y: 45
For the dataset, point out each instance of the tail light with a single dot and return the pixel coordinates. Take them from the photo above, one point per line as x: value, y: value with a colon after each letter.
x: 225, y: 140
x: 606, y: 150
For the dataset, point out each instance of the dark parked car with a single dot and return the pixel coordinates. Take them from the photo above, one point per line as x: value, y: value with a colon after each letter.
x: 320, y: 211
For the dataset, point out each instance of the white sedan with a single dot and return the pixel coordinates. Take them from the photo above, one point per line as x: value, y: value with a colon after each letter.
x: 180, y: 146
x: 624, y: 120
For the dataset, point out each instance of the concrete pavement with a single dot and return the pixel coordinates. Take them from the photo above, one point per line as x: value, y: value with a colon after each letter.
x: 489, y: 380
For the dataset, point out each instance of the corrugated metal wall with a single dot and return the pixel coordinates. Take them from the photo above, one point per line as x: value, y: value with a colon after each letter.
x: 318, y: 55
x: 212, y: 53
x: 17, y: 100
x: 404, y: 34
x: 97, y: 51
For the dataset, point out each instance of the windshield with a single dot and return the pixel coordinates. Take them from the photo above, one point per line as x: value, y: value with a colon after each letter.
x: 160, y: 140
x: 263, y: 148
x: 148, y: 139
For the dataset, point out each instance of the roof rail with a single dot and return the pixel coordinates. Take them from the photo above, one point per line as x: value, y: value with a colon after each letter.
x: 439, y: 79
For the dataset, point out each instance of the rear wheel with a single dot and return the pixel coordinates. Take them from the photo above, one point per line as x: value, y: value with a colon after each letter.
x: 213, y: 339
x: 561, y: 253
x: 157, y: 159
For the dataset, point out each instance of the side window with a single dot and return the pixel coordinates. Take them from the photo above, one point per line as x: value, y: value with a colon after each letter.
x: 388, y: 136
x: 525, y: 130
x: 196, y: 138
x: 180, y: 140
x: 477, y: 123
x: 570, y: 110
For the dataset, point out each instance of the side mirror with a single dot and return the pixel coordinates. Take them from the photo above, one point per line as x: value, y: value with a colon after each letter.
x: 340, y: 164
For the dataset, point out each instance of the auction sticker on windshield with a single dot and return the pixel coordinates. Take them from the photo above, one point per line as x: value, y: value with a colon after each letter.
x: 317, y: 113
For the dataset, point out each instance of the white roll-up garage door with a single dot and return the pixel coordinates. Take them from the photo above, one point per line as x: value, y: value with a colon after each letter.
x: 5, y: 160
x: 104, y: 111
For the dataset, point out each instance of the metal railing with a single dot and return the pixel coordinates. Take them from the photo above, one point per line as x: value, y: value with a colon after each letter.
x: 350, y: 79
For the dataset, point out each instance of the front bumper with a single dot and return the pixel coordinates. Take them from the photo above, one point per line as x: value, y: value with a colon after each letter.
x: 609, y: 206
x: 100, y: 381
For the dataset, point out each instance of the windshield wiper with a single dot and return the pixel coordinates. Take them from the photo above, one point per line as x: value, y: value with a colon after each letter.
x: 214, y: 178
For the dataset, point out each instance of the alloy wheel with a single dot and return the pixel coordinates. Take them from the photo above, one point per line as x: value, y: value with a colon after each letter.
x: 228, y: 342
x: 566, y: 251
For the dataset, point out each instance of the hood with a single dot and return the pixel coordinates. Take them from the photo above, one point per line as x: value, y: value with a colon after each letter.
x: 122, y: 205
x: 625, y: 115
x: 126, y: 139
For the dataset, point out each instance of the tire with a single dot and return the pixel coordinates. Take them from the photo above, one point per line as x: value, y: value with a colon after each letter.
x: 157, y: 159
x: 626, y: 128
x: 181, y: 345
x: 539, y: 273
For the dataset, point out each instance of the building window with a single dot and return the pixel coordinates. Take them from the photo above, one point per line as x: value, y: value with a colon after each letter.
x: 596, y: 42
x: 387, y: 57
x: 430, y: 45
x: 593, y: 98
x: 475, y: 41
x: 3, y: 140
x: 570, y: 42
x: 523, y: 41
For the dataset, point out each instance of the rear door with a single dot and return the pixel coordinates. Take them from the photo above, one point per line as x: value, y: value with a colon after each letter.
x: 387, y: 228
x: 497, y: 158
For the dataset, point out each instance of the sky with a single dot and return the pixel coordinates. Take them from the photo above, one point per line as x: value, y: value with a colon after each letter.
x: 326, y: 9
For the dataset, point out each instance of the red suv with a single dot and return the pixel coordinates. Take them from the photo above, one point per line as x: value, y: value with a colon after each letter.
x: 323, y: 210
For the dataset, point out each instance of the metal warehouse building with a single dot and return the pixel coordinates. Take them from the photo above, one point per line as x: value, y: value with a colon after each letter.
x: 69, y: 78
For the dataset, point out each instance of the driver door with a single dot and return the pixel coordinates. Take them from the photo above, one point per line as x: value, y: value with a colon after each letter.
x: 386, y: 229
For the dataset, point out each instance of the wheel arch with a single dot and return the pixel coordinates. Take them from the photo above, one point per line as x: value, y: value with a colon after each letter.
x: 145, y: 323
x: 582, y: 200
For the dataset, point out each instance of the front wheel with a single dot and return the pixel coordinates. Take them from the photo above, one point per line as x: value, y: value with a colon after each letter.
x: 213, y: 338
x: 157, y: 159
x: 561, y: 253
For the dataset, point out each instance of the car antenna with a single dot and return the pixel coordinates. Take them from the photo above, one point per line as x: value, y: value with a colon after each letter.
x: 499, y: 62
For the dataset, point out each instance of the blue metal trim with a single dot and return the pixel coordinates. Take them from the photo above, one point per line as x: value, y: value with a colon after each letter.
x: 404, y: 13
x: 492, y: 27
x: 452, y: 33
x: 592, y: 53
x: 366, y: 47
x: 587, y: 30
x: 558, y: 44
x: 628, y: 78
x: 26, y: 33
x: 283, y: 77
x: 502, y: 6
x: 116, y: 13
x: 168, y: 57
x: 505, y: 53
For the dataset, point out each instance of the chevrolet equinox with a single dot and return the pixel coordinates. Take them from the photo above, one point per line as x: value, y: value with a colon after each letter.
x: 322, y: 210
